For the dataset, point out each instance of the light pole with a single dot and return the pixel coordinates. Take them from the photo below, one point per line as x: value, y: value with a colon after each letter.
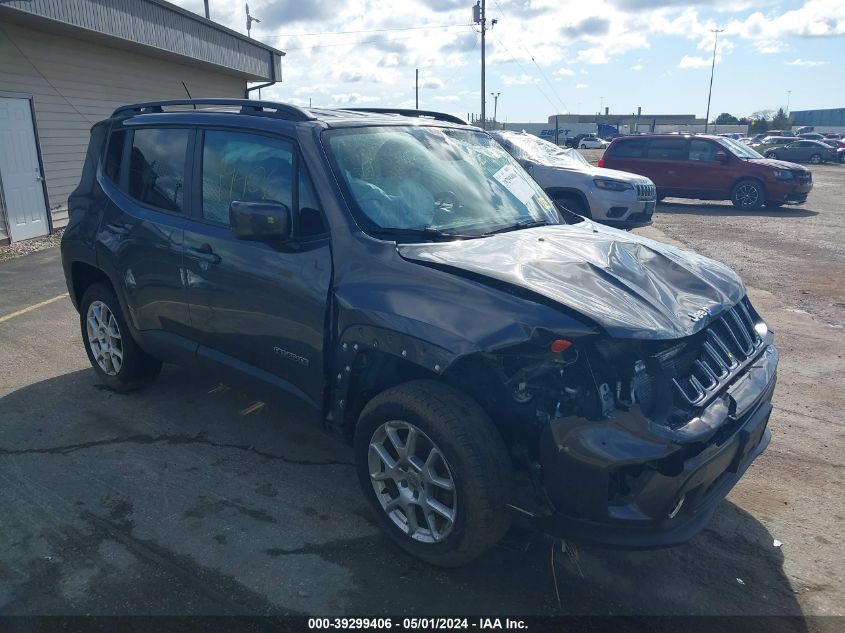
x: 479, y: 16
x: 712, y: 68
x: 788, y: 95
x: 601, y: 105
x: 495, y: 96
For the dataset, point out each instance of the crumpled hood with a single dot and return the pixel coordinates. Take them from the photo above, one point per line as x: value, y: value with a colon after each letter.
x: 591, y: 170
x: 631, y: 286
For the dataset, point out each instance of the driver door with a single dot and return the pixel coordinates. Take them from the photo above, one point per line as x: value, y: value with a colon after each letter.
x: 258, y: 307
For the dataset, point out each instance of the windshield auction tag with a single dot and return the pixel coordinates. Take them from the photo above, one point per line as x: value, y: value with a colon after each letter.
x: 513, y: 182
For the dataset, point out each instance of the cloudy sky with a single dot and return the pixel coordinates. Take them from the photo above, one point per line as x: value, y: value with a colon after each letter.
x: 547, y: 56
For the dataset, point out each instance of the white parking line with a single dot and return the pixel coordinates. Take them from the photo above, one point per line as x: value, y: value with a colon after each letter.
x: 35, y: 306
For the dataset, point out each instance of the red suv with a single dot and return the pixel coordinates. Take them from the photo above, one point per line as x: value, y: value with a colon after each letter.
x: 709, y: 168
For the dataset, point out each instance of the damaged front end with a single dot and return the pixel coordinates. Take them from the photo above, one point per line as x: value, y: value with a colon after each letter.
x: 632, y: 442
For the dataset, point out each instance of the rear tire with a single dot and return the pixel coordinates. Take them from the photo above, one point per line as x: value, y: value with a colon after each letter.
x: 455, y: 444
x: 748, y: 195
x: 115, y: 356
x: 773, y: 155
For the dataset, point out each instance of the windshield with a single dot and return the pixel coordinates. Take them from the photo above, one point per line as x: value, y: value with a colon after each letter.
x: 543, y: 152
x: 435, y: 181
x: 739, y: 149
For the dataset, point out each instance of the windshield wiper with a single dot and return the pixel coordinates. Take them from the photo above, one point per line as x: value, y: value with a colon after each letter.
x: 525, y: 224
x: 427, y: 233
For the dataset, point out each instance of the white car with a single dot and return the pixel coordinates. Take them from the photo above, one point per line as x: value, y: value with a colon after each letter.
x: 592, y: 142
x: 608, y: 196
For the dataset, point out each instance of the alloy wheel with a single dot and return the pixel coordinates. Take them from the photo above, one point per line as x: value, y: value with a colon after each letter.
x: 412, y: 481
x: 747, y: 195
x: 815, y: 159
x: 104, y: 338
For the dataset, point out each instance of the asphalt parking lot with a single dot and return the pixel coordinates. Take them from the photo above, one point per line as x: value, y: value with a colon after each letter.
x: 179, y: 499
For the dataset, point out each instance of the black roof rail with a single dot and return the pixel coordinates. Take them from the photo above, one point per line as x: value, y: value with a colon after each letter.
x: 440, y: 116
x: 247, y: 106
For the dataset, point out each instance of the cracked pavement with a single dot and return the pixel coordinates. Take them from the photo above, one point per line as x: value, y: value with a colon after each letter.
x: 170, y: 501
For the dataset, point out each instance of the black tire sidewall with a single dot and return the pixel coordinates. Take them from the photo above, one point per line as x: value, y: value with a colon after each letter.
x: 462, y: 472
x: 137, y: 367
x: 761, y: 195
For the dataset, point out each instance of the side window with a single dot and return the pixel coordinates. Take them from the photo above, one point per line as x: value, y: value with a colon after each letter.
x: 702, y: 151
x: 630, y: 149
x: 668, y: 149
x: 114, y: 154
x: 310, y: 221
x: 157, y: 168
x: 244, y: 167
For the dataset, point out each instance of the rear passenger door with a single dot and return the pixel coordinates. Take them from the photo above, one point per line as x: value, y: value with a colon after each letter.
x: 141, y: 232
x: 258, y: 307
x: 668, y: 167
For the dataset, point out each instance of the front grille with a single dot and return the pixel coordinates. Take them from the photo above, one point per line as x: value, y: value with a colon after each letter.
x: 728, y: 344
x: 803, y: 177
x: 646, y: 192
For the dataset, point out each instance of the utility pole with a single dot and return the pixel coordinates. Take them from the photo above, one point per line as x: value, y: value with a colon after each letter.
x: 417, y: 89
x: 712, y: 68
x: 479, y: 16
x: 788, y: 95
x: 207, y: 13
x: 495, y: 96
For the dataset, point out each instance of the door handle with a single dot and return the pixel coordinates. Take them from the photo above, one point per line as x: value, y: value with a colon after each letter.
x: 205, y: 254
x: 118, y: 229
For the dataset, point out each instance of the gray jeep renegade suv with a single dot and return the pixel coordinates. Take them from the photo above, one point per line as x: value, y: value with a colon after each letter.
x: 398, y: 278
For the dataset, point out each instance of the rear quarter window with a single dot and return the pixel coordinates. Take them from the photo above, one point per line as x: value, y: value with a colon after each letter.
x: 157, y: 167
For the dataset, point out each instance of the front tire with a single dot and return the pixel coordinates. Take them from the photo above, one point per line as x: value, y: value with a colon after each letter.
x: 773, y: 155
x: 583, y: 146
x: 115, y: 356
x: 573, y: 204
x: 816, y: 159
x: 435, y: 471
x: 748, y: 195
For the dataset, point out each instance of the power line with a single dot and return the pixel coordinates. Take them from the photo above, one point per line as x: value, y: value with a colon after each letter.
x: 44, y: 77
x: 531, y: 55
x: 405, y: 28
x: 519, y: 63
x: 353, y: 43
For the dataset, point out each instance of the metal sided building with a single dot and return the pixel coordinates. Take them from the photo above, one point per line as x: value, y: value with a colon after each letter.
x: 64, y: 65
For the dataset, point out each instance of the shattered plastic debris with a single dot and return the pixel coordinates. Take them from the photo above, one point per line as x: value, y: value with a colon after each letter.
x: 777, y: 543
x: 740, y: 581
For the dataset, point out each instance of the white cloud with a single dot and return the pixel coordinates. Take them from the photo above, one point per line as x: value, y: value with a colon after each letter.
x: 564, y: 72
x: 353, y: 97
x: 596, y: 55
x: 638, y: 67
x: 771, y: 47
x: 581, y: 86
x: 446, y: 98
x: 519, y: 80
x: 805, y: 62
x: 693, y: 61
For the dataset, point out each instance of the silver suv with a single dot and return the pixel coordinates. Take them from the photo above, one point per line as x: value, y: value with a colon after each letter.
x: 611, y: 197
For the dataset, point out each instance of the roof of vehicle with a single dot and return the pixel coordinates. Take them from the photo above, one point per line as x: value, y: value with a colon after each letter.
x: 330, y: 117
x: 667, y: 135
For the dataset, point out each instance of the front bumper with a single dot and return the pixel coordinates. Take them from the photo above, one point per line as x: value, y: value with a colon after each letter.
x: 621, y: 210
x: 628, y: 483
x: 790, y: 193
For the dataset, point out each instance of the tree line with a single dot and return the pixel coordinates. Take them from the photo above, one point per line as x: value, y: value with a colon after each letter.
x: 759, y: 121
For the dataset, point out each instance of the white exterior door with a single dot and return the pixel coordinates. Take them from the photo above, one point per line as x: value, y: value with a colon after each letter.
x: 20, y: 174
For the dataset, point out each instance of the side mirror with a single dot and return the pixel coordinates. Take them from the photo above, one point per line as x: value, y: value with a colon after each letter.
x: 720, y: 157
x: 260, y: 220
